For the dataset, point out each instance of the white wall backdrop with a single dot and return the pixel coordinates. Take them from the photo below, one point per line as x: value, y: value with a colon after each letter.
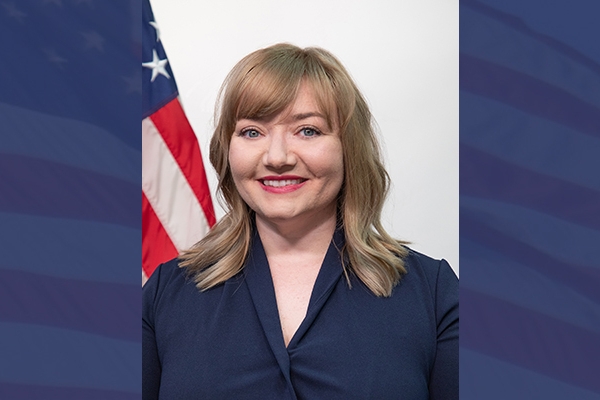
x: 403, y: 56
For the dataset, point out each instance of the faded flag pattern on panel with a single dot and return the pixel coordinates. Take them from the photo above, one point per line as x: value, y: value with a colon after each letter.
x: 70, y: 226
x: 529, y: 203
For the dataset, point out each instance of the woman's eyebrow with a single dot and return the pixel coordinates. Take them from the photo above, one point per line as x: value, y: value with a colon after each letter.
x: 294, y: 117
x: 311, y: 114
x: 301, y: 116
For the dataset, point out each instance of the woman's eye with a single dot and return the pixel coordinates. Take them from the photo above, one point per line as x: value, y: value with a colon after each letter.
x: 309, y: 132
x: 250, y: 133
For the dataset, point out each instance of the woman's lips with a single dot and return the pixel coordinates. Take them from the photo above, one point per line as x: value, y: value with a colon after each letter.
x: 282, y: 184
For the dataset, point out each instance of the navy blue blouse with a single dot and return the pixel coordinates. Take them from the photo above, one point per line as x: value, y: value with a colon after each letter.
x: 226, y: 342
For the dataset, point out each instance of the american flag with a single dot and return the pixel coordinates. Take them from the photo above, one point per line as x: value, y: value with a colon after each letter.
x: 177, y: 209
x: 529, y: 202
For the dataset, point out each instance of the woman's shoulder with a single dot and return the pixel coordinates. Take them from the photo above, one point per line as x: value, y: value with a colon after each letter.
x: 171, y: 283
x: 428, y: 269
x: 167, y: 278
x: 165, y: 272
x: 434, y: 282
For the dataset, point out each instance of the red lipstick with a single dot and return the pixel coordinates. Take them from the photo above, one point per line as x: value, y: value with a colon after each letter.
x: 281, y: 183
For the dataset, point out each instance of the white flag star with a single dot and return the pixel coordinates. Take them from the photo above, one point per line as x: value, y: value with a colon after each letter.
x: 157, y: 65
x: 155, y: 26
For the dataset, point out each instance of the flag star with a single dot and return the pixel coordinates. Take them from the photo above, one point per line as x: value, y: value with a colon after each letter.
x: 157, y: 65
x: 155, y: 26
x: 13, y: 11
x: 54, y: 58
x: 93, y: 40
x: 133, y: 83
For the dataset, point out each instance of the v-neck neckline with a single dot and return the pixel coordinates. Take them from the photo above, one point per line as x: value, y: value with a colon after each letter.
x: 260, y: 284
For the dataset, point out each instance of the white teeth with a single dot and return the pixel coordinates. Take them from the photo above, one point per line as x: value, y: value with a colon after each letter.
x: 286, y: 182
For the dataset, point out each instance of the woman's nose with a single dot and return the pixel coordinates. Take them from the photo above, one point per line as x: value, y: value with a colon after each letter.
x: 278, y: 153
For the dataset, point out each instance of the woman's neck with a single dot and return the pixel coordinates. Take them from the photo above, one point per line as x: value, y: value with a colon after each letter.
x: 293, y: 237
x: 295, y: 252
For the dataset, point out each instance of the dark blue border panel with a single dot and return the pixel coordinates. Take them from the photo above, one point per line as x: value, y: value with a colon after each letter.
x: 529, y: 199
x: 70, y: 218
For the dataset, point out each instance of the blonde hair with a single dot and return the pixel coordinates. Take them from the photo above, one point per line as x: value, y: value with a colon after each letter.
x: 261, y: 85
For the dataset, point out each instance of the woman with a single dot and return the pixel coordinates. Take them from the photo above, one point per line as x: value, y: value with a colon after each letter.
x: 298, y: 292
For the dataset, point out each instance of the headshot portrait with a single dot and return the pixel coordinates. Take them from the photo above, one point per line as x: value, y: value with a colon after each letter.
x: 326, y: 266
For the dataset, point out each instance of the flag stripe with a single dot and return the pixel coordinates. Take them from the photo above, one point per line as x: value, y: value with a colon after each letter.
x: 507, y: 279
x: 518, y: 25
x: 174, y: 128
x: 87, y: 260
x: 157, y: 245
x: 500, y: 380
x: 523, y: 52
x: 514, y: 334
x: 15, y: 391
x: 527, y: 141
x: 169, y: 192
x: 105, y: 309
x: 486, y: 176
x: 528, y: 94
x: 558, y: 238
x: 67, y: 142
x: 581, y: 279
x: 39, y: 187
x: 43, y: 355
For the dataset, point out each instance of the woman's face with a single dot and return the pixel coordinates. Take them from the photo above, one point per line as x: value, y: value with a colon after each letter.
x: 289, y: 167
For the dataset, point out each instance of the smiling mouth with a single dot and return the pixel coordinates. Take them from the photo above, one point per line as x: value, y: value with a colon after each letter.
x: 282, y: 183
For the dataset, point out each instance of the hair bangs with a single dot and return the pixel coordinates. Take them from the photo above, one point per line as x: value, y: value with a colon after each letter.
x: 270, y: 84
x: 267, y: 89
x: 333, y: 90
x: 325, y: 97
